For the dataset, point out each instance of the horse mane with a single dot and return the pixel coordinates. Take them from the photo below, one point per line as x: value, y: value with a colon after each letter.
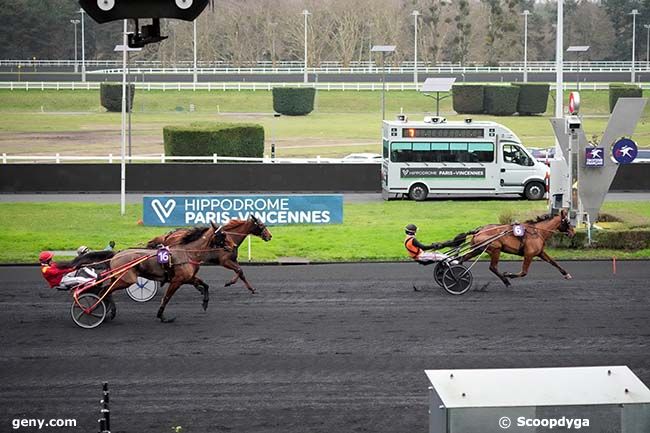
x: 540, y: 218
x: 234, y: 222
x: 193, y: 234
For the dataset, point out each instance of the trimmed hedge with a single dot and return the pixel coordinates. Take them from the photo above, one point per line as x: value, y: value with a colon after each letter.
x: 630, y: 240
x: 468, y: 98
x: 533, y: 98
x: 110, y: 96
x: 206, y: 139
x: 622, y: 90
x: 293, y: 101
x: 501, y: 100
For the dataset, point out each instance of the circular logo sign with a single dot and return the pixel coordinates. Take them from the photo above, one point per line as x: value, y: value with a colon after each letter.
x: 624, y: 151
x: 574, y: 102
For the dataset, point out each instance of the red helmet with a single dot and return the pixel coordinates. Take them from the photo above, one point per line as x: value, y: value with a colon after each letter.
x: 45, y: 256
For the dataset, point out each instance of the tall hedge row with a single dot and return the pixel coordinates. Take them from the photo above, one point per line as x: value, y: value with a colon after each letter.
x: 501, y: 100
x: 468, y: 98
x: 293, y: 101
x: 533, y: 98
x: 622, y: 90
x: 110, y: 96
x: 206, y: 139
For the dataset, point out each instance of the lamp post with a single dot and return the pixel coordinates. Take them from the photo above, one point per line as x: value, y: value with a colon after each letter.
x: 305, y: 14
x: 634, y: 13
x: 525, y: 14
x: 76, y: 64
x: 415, y: 47
x: 578, y: 49
x: 83, y: 47
x: 383, y: 49
x: 647, y: 47
x: 195, y: 74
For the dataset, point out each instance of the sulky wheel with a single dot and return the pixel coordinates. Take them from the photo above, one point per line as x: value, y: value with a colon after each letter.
x: 457, y: 279
x: 142, y: 290
x: 83, y: 315
x: 439, y: 271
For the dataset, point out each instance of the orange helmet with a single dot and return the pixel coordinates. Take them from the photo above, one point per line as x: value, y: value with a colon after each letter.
x: 45, y: 256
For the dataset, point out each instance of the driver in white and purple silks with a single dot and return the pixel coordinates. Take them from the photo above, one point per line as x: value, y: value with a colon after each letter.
x: 418, y: 251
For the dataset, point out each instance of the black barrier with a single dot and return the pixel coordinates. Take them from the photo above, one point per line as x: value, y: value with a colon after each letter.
x: 224, y: 178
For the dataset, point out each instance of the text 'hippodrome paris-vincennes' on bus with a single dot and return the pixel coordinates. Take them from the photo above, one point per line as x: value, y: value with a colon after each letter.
x: 269, y: 210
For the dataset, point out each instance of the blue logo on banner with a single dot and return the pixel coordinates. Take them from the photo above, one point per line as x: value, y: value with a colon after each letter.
x: 594, y: 157
x: 271, y: 209
x: 624, y: 151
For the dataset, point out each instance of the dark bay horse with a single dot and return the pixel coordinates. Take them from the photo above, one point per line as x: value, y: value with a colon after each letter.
x: 186, y: 258
x: 530, y: 245
x: 236, y: 231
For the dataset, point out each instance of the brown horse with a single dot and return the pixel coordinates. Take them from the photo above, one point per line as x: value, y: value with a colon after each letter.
x: 236, y: 231
x: 530, y: 245
x: 186, y: 258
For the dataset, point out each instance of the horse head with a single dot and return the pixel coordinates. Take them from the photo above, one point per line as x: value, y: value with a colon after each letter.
x: 565, y: 224
x: 259, y: 229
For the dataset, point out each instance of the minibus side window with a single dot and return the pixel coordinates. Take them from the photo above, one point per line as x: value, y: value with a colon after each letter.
x: 514, y: 155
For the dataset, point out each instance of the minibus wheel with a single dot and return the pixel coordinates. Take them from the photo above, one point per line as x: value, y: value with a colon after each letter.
x: 534, y: 191
x: 418, y: 192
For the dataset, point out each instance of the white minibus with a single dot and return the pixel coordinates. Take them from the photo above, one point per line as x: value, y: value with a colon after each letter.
x: 457, y: 157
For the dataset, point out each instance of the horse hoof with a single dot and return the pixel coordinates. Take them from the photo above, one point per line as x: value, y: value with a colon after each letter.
x: 228, y: 284
x: 166, y: 320
x: 568, y: 277
x: 112, y: 313
x: 205, y: 306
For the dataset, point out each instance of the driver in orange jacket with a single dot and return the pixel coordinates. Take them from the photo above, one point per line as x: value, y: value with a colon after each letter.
x: 417, y: 250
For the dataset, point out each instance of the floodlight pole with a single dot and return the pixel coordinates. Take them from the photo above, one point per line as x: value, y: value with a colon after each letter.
x: 76, y: 62
x: 83, y: 47
x: 415, y: 48
x: 647, y: 47
x: 305, y: 77
x: 525, y: 14
x: 634, y: 13
x: 123, y: 149
x: 195, y: 74
x: 383, y: 85
x: 559, y: 51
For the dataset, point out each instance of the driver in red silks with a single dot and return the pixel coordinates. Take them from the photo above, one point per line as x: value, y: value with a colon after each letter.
x: 62, y: 278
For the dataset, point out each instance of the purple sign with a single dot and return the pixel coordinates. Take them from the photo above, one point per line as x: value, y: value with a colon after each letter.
x: 163, y: 255
x: 594, y: 157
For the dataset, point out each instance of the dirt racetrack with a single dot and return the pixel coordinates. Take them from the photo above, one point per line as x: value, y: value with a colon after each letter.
x: 320, y: 348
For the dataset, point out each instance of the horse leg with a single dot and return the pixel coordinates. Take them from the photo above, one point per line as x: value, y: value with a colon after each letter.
x: 171, y: 289
x: 202, y: 287
x: 524, y: 268
x: 234, y: 266
x: 233, y: 280
x: 549, y: 259
x: 494, y: 262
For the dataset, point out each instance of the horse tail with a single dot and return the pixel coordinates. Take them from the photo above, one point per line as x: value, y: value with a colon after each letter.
x: 93, y: 258
x: 155, y: 242
x: 460, y: 238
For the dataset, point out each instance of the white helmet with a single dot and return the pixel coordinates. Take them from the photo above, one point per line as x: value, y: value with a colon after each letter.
x: 82, y: 250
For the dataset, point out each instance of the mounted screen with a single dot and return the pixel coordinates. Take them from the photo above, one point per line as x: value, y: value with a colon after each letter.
x: 443, y: 132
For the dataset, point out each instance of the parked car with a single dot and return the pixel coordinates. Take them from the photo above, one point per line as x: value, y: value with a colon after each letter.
x: 542, y: 155
x: 362, y: 158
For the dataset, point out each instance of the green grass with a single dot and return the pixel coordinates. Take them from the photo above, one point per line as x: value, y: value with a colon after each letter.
x: 371, y: 231
x: 343, y: 121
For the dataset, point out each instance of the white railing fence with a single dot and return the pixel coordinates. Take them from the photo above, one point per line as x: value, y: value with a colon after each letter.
x: 178, y: 86
x: 162, y: 158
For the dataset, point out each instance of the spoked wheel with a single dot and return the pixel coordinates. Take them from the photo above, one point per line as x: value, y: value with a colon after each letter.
x: 143, y: 290
x: 457, y: 279
x: 439, y: 271
x: 83, y: 315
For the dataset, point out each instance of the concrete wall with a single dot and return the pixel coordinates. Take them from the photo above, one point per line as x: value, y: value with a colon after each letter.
x: 208, y: 178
